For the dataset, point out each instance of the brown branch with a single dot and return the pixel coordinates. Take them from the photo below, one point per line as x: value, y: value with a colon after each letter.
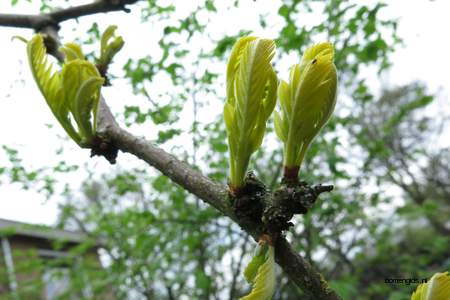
x: 23, y: 21
x: 37, y: 22
x: 215, y: 194
x: 182, y: 174
x: 100, y: 6
x: 301, y: 272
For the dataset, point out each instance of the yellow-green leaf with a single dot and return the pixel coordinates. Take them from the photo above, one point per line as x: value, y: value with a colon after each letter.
x: 278, y: 123
x: 72, y: 93
x: 74, y: 75
x: 306, y: 102
x: 106, y: 36
x: 109, y: 45
x: 233, y: 64
x: 437, y: 288
x: 86, y: 101
x: 72, y: 51
x: 264, y: 279
x: 251, y: 98
x: 49, y: 83
x: 258, y: 259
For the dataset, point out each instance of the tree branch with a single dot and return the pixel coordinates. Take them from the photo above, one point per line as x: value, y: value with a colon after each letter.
x: 37, y: 22
x: 298, y: 269
x: 215, y: 194
x: 100, y: 6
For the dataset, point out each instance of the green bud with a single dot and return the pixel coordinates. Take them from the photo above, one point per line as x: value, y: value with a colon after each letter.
x: 110, y: 45
x: 306, y: 102
x: 251, y: 97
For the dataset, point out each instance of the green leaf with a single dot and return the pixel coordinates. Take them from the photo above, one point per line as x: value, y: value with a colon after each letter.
x: 72, y: 51
x: 86, y: 102
x: 279, y: 128
x: 49, y: 83
x: 106, y: 36
x: 110, y: 45
x: 258, y: 259
x: 82, y: 82
x: 307, y: 101
x: 251, y: 98
x: 74, y: 91
x: 264, y: 280
x: 437, y: 288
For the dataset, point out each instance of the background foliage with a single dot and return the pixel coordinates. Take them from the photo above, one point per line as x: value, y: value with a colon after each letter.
x: 386, y: 218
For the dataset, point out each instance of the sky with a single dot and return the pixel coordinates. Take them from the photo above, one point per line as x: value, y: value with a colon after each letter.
x: 24, y: 123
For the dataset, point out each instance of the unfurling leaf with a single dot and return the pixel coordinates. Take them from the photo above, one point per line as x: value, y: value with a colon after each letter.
x: 437, y: 288
x: 306, y: 102
x: 260, y: 272
x: 109, y: 45
x: 72, y: 51
x: 258, y: 259
x: 251, y: 97
x: 73, y: 92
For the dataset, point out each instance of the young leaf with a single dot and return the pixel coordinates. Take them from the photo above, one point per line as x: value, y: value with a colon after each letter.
x: 251, y: 97
x: 49, y: 83
x: 306, y: 102
x: 74, y: 91
x: 72, y: 51
x: 437, y: 288
x: 261, y: 273
x: 82, y: 82
x: 109, y: 45
x: 258, y: 259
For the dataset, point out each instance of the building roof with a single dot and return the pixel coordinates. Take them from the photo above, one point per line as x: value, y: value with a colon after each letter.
x: 40, y: 231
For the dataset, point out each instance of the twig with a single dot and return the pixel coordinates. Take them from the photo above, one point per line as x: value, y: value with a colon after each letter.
x: 37, y: 22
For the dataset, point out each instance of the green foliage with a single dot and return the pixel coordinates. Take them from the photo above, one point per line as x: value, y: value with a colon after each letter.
x: 31, y: 178
x: 162, y: 237
x: 251, y: 98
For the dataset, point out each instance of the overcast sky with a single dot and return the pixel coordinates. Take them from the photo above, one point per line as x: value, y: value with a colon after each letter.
x: 423, y: 25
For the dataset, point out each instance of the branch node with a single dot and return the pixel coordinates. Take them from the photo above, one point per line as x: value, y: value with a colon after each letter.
x: 246, y: 201
x: 45, y: 21
x: 104, y: 147
x: 288, y: 201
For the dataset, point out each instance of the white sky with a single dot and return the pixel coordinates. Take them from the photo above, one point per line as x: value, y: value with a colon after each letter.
x: 23, y: 115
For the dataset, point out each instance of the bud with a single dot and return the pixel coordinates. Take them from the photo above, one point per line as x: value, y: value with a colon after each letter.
x: 306, y: 102
x: 109, y: 45
x: 251, y: 97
